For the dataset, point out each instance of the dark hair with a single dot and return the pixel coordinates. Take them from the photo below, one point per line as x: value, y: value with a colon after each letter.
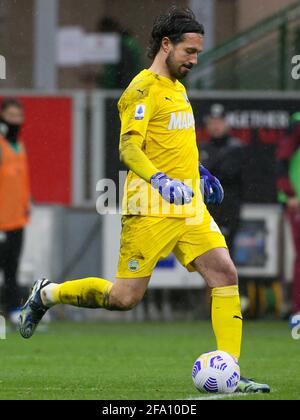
x: 8, y: 102
x: 173, y: 24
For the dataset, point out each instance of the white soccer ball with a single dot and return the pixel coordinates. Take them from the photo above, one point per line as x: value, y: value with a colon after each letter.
x: 216, y: 372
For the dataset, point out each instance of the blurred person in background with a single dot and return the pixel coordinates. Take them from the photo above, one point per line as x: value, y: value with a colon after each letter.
x: 223, y: 155
x: 118, y: 76
x: 14, y: 200
x: 288, y: 183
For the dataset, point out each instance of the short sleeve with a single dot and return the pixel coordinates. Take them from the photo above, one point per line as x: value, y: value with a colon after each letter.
x: 136, y: 108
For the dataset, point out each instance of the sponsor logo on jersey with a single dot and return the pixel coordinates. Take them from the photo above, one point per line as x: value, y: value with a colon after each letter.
x: 181, y: 121
x: 140, y: 112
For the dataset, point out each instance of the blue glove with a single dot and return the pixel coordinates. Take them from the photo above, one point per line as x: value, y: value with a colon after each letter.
x: 213, y: 190
x: 175, y: 192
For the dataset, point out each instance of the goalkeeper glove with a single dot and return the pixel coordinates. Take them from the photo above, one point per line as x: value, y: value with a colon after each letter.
x: 213, y: 190
x: 175, y: 192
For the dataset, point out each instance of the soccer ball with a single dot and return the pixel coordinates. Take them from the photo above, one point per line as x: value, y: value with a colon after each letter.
x: 216, y: 372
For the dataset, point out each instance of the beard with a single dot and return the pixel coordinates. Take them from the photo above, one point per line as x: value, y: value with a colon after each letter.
x: 176, y: 72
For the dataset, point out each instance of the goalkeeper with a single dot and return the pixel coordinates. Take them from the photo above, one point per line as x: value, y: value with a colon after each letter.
x: 163, y: 208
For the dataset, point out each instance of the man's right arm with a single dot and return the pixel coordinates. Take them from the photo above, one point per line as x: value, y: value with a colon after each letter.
x: 134, y: 158
x: 132, y: 155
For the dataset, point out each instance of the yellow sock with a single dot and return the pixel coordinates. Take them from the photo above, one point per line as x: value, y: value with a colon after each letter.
x: 227, y: 319
x: 86, y: 293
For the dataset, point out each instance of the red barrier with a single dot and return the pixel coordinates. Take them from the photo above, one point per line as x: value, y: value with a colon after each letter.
x: 47, y: 135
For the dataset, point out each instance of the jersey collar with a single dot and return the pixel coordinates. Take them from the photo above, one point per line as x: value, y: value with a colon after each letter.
x: 165, y: 80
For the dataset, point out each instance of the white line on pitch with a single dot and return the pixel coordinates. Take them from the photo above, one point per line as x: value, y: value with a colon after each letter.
x: 217, y: 397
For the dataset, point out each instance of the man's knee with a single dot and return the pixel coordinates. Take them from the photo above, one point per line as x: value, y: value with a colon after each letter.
x: 126, y: 293
x: 129, y: 302
x: 217, y: 269
x: 229, y: 274
x: 123, y: 303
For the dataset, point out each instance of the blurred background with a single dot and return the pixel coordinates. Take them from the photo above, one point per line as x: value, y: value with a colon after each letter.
x: 67, y: 62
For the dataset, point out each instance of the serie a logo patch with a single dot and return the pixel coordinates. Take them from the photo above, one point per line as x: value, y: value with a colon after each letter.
x: 140, y: 112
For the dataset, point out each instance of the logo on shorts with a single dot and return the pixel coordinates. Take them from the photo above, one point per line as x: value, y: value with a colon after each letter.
x: 133, y: 265
x: 140, y: 112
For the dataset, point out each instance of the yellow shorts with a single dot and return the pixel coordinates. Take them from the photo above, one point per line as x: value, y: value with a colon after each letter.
x: 146, y: 240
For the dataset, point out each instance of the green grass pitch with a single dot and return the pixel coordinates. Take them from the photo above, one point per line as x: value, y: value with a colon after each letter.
x: 106, y: 361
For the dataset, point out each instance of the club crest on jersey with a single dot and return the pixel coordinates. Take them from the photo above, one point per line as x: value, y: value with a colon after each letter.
x: 133, y: 265
x: 140, y: 112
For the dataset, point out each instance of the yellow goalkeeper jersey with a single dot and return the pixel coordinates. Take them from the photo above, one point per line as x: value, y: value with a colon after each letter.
x: 159, y: 109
